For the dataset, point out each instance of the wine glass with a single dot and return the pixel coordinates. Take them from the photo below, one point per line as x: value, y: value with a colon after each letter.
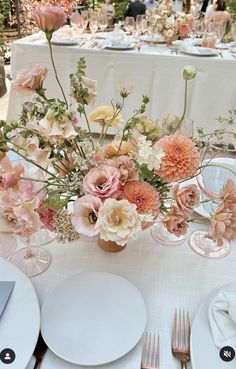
x: 93, y: 24
x: 76, y: 22
x: 220, y: 30
x: 102, y: 22
x: 220, y: 170
x: 84, y: 19
x: 129, y: 24
x: 32, y: 260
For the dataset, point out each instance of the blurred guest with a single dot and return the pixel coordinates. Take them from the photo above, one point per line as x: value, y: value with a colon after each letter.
x: 135, y: 8
x: 210, y: 9
x: 204, y: 6
x: 219, y: 13
x: 150, y: 4
x: 109, y: 10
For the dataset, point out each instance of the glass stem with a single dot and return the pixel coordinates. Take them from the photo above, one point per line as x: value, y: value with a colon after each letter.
x: 28, y: 254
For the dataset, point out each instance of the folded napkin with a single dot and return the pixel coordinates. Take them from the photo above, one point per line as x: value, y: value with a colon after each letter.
x: 222, y: 318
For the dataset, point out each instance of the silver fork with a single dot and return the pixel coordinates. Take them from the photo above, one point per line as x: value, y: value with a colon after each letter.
x: 181, y: 337
x: 151, y: 352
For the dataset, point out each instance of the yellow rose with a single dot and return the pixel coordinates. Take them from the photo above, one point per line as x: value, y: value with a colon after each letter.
x: 104, y: 115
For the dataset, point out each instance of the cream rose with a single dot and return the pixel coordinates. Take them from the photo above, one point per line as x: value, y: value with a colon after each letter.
x: 118, y: 221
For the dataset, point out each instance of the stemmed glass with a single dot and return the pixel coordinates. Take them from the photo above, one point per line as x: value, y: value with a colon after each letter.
x: 32, y: 260
x: 84, y: 19
x: 93, y: 24
x: 129, y: 24
x: 102, y: 22
x: 76, y: 22
x: 199, y: 241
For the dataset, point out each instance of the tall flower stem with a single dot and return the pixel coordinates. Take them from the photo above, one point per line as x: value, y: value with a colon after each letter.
x: 55, y: 71
x: 185, y: 106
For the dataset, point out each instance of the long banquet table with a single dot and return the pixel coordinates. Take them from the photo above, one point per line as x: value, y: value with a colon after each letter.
x: 154, y: 71
x: 167, y: 277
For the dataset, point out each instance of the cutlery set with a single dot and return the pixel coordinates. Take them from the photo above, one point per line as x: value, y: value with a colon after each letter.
x: 180, y: 343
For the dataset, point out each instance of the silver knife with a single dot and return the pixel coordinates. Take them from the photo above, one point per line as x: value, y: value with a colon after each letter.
x: 6, y: 289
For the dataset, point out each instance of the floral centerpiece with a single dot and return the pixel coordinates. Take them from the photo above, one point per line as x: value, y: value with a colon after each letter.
x: 171, y: 25
x: 83, y: 185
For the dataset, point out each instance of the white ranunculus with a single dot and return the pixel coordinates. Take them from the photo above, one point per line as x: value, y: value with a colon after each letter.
x: 118, y: 221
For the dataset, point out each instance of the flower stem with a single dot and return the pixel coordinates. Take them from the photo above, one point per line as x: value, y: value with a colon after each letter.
x: 55, y: 71
x: 185, y: 107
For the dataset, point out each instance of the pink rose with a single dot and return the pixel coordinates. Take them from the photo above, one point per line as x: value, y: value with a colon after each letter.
x: 18, y: 216
x: 29, y: 80
x: 49, y: 19
x: 102, y: 182
x: 84, y: 217
x: 176, y: 222
x: 187, y: 198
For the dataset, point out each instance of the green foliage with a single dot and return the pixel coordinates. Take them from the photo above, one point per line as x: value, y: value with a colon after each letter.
x: 232, y: 8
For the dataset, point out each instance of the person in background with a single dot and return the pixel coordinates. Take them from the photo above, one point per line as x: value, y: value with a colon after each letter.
x: 220, y: 14
x: 135, y: 8
x: 210, y: 9
x: 150, y: 4
x: 109, y: 10
x: 204, y: 6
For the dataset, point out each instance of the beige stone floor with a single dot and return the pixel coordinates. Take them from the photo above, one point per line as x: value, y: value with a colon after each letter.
x: 4, y: 99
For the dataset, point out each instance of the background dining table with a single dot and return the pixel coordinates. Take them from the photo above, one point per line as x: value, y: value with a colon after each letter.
x: 168, y: 277
x: 155, y: 71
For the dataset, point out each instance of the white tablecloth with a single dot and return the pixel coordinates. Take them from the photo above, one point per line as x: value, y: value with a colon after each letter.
x: 167, y: 277
x: 153, y: 71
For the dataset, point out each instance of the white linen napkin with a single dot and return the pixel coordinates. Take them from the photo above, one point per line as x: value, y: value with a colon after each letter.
x: 222, y: 318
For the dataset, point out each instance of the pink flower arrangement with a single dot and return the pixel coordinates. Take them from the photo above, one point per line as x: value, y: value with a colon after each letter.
x: 117, y: 189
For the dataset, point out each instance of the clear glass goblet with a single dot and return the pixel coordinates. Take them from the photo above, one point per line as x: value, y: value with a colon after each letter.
x: 32, y: 260
x: 77, y: 22
x: 129, y: 24
x: 211, y: 182
x: 102, y: 22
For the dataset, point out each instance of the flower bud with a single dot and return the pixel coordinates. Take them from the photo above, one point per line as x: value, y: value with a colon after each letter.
x: 189, y: 72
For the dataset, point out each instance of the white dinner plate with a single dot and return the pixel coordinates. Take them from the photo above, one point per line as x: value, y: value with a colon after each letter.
x: 229, y: 162
x: 64, y: 42
x: 199, y: 51
x: 93, y: 318
x: 20, y: 322
x: 153, y: 39
x: 204, y: 353
x: 124, y: 46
